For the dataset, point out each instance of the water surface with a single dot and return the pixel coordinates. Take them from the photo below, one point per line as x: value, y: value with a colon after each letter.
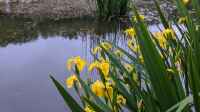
x: 31, y: 50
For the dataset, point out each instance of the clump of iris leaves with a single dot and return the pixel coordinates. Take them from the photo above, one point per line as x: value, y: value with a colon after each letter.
x: 159, y: 89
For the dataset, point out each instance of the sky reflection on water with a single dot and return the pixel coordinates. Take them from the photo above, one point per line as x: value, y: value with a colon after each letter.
x: 29, y: 51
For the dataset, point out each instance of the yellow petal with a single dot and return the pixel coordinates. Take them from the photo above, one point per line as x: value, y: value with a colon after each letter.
x: 129, y: 67
x: 141, y: 59
x: 161, y: 39
x: 141, y: 17
x: 186, y: 2
x: 96, y: 50
x: 136, y: 48
x: 88, y: 109
x: 92, y: 66
x: 109, y: 90
x: 169, y: 33
x: 182, y: 20
x: 80, y: 63
x: 98, y: 88
x: 130, y: 32
x: 104, y: 67
x: 71, y: 80
x: 121, y: 100
x: 106, y: 45
x: 69, y: 64
x: 118, y: 53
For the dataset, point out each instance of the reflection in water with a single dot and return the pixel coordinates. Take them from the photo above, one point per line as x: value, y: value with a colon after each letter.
x: 7, y: 6
x: 19, y: 31
x: 30, y: 50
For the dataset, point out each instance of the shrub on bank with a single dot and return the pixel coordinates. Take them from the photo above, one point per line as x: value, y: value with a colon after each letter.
x: 108, y: 9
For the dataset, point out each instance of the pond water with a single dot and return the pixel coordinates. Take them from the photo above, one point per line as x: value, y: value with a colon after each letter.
x: 31, y: 50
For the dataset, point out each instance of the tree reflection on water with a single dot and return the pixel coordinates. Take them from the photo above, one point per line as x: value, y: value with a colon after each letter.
x: 15, y: 30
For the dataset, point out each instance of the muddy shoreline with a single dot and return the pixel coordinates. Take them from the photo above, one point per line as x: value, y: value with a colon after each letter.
x: 55, y: 9
x: 65, y: 9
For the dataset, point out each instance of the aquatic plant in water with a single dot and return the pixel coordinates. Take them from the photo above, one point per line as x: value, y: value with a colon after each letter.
x: 160, y: 71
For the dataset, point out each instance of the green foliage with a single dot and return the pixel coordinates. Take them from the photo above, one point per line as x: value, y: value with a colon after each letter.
x: 108, y: 9
x: 165, y: 69
x: 74, y: 106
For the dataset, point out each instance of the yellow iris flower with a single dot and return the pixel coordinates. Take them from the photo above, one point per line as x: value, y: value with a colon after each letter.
x: 141, y: 17
x: 107, y: 46
x: 118, y: 53
x: 96, y: 50
x: 169, y: 70
x: 129, y: 67
x: 101, y: 90
x: 88, y: 109
x: 135, y: 48
x: 121, y: 100
x: 98, y: 88
x: 141, y: 59
x: 104, y: 66
x: 70, y: 81
x: 186, y: 2
x: 182, y: 20
x: 130, y: 32
x: 108, y: 90
x: 169, y: 33
x: 161, y: 39
x: 93, y: 65
x: 80, y: 63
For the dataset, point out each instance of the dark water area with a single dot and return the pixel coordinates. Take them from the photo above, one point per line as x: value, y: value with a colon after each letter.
x: 31, y: 50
